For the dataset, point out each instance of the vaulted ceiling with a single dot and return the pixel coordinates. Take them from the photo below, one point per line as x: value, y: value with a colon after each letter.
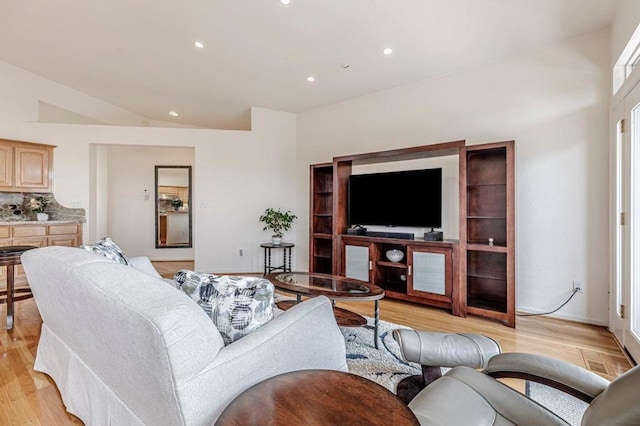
x: 140, y: 55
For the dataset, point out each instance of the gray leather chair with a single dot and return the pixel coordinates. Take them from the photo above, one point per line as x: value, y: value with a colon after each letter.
x: 465, y: 396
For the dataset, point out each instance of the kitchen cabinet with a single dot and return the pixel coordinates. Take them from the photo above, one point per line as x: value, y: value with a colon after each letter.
x: 67, y: 234
x: 25, y: 166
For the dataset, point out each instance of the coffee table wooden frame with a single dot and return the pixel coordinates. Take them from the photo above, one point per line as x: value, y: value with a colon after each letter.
x: 375, y: 294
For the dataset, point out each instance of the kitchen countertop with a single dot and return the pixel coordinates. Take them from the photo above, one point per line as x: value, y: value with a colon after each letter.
x: 35, y: 222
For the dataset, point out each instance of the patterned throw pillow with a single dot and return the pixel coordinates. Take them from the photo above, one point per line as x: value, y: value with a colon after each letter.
x: 236, y: 305
x: 108, y: 249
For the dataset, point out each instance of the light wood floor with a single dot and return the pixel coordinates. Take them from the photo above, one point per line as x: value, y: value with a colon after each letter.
x: 28, y: 397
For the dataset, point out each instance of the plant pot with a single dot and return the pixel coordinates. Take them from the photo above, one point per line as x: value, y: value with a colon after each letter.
x: 275, y: 240
x: 42, y: 217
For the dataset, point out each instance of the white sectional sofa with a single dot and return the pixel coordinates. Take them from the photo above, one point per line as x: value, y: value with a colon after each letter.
x: 126, y: 348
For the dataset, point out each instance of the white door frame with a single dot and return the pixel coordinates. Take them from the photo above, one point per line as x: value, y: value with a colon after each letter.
x: 627, y: 327
x: 618, y: 239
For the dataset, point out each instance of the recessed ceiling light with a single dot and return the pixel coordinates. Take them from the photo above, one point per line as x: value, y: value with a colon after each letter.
x: 285, y: 1
x: 311, y: 79
x: 199, y: 44
x: 173, y: 113
x: 387, y: 51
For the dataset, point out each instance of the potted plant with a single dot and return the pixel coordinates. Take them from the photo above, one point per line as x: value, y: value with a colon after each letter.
x: 277, y: 222
x: 38, y: 205
x: 177, y: 203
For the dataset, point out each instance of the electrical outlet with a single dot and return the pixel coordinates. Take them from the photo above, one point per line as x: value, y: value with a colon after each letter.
x: 577, y: 285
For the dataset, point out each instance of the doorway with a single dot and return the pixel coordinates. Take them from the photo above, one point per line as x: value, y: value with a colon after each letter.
x: 625, y: 290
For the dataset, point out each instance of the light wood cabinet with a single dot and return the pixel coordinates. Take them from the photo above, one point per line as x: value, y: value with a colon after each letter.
x: 25, y: 167
x: 6, y: 167
x: 181, y: 192
x: 67, y: 234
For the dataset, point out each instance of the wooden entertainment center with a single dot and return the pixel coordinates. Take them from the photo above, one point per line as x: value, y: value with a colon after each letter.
x: 474, y: 275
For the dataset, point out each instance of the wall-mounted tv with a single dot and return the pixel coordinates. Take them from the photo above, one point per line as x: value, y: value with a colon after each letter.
x: 406, y: 198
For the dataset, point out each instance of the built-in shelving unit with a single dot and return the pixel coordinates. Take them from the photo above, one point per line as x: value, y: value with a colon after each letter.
x: 472, y: 275
x: 487, y: 212
x: 321, y: 223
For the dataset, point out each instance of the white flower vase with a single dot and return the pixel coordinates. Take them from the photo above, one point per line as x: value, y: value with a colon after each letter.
x: 42, y: 217
x: 276, y: 240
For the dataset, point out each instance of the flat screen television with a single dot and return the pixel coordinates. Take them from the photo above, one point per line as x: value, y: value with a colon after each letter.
x: 406, y: 198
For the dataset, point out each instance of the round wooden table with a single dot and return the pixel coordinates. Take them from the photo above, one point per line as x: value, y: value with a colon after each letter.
x: 316, y: 397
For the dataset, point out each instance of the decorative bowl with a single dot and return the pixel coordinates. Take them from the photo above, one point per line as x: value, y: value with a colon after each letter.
x: 394, y: 255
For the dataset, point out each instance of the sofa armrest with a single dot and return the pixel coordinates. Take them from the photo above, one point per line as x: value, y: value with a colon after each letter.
x: 143, y: 264
x: 303, y: 337
x: 569, y: 378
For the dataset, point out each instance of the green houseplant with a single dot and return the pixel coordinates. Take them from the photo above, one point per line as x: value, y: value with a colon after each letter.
x: 277, y: 222
x: 177, y: 203
x: 38, y: 205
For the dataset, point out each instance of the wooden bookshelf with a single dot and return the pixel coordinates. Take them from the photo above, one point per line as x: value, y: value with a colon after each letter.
x: 487, y: 211
x: 321, y: 221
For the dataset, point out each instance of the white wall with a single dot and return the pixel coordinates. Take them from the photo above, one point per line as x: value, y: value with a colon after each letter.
x: 131, y: 218
x: 237, y: 174
x: 554, y: 103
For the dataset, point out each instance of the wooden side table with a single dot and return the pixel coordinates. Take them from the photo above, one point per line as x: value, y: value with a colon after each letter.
x: 9, y: 257
x: 316, y: 397
x: 286, y: 265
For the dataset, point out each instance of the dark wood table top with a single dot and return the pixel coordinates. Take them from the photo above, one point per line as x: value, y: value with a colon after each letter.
x: 317, y: 397
x: 344, y: 317
x: 333, y: 286
x: 281, y: 245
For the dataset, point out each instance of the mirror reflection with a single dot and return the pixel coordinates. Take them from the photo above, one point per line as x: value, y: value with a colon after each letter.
x: 173, y: 206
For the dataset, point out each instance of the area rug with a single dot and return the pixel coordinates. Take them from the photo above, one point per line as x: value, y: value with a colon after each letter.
x: 571, y: 409
x: 385, y: 365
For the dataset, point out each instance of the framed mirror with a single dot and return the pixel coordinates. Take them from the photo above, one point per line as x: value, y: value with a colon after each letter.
x: 173, y: 206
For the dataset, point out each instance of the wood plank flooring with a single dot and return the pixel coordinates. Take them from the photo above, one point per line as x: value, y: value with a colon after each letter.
x: 31, y: 398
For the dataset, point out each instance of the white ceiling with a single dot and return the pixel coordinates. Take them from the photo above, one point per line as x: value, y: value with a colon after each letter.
x: 140, y: 55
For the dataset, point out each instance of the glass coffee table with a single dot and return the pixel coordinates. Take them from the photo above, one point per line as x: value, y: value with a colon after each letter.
x: 335, y: 288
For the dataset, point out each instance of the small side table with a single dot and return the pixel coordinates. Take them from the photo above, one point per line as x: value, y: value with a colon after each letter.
x: 286, y: 265
x: 9, y: 257
x: 317, y: 397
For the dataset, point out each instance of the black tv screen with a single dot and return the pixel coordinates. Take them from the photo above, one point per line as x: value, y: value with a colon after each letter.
x: 407, y: 198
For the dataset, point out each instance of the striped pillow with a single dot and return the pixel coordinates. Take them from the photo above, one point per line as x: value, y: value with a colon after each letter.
x: 107, y: 248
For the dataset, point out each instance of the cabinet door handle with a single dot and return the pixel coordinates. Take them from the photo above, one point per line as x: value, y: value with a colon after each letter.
x: 371, y: 265
x: 409, y: 273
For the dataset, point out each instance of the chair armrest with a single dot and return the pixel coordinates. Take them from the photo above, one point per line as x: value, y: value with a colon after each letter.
x: 302, y: 338
x: 561, y: 375
x: 143, y: 264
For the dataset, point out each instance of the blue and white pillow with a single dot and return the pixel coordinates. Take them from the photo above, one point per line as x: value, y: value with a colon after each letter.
x: 236, y: 305
x: 109, y: 249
